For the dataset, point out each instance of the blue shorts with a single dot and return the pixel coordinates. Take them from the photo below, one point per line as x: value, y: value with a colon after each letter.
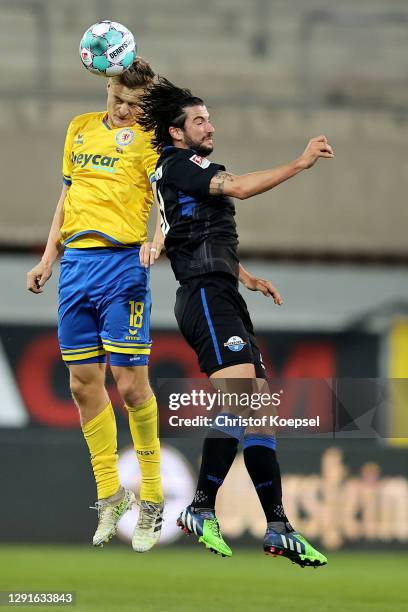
x: 104, y: 306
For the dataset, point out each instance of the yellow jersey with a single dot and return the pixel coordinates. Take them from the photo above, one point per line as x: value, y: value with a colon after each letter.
x: 109, y: 172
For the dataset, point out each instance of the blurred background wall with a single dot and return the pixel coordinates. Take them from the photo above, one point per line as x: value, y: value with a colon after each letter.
x: 274, y: 74
x: 333, y: 240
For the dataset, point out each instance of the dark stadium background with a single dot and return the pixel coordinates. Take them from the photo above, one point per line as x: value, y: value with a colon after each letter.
x: 333, y: 240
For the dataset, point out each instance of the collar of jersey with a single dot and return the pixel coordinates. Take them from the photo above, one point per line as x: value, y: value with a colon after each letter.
x: 105, y: 122
x: 108, y: 127
x: 171, y: 148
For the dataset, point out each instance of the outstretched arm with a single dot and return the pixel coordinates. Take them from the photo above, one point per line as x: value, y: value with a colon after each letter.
x: 259, y: 284
x: 246, y: 185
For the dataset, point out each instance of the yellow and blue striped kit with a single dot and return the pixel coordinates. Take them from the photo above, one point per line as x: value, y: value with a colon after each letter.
x: 104, y: 295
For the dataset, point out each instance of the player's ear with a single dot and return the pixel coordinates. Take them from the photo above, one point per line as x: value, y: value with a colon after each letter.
x: 108, y: 84
x: 176, y: 133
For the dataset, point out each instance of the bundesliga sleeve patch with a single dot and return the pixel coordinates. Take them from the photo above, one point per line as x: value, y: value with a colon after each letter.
x: 200, y: 161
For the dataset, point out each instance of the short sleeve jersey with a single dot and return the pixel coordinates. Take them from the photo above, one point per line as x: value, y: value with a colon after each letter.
x: 200, y: 228
x: 109, y: 172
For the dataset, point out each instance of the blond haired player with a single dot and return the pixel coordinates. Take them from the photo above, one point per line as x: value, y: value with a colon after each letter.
x: 104, y: 297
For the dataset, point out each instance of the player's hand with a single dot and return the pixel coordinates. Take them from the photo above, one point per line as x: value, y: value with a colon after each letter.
x: 259, y: 284
x: 317, y: 147
x: 38, y: 276
x: 149, y: 252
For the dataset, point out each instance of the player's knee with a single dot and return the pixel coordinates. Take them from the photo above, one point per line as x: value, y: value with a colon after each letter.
x: 135, y: 397
x: 79, y: 390
x: 133, y: 384
x: 132, y: 391
x: 83, y: 389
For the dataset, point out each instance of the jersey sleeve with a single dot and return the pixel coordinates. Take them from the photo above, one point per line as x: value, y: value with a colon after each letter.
x: 192, y: 174
x: 149, y: 159
x: 67, y: 160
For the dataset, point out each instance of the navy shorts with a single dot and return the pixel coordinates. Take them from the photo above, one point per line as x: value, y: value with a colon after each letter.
x: 104, y: 306
x: 214, y: 319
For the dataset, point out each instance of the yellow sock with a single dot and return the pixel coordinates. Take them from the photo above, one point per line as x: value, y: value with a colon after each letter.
x: 101, y: 437
x: 144, y: 429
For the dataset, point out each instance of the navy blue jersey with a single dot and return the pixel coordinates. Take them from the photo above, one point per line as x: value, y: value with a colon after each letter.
x: 200, y: 229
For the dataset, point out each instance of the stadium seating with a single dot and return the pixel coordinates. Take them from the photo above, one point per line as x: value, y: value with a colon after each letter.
x: 272, y: 75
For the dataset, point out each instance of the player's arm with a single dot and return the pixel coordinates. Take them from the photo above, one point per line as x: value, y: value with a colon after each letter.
x: 259, y: 284
x: 150, y: 251
x: 38, y: 276
x: 247, y: 185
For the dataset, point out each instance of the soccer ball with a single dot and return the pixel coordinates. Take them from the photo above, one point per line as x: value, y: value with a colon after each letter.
x: 107, y: 48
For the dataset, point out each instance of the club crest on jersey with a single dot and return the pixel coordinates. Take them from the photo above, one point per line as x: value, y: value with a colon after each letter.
x: 125, y: 137
x: 200, y: 161
x: 235, y: 344
x: 79, y: 139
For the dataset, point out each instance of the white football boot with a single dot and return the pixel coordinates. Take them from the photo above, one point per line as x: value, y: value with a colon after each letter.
x: 148, y: 526
x: 109, y: 513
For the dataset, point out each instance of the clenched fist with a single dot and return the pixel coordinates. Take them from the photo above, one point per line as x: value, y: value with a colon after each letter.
x: 38, y: 276
x: 317, y: 147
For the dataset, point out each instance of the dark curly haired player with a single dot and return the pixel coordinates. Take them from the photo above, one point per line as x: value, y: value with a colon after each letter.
x: 201, y: 243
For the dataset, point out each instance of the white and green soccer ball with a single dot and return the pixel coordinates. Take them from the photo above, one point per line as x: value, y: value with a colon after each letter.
x: 107, y: 48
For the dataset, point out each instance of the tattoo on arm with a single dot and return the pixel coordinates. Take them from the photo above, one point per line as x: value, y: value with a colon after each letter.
x: 218, y: 180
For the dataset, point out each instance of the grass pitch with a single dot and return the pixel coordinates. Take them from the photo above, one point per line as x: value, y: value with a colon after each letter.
x: 179, y: 579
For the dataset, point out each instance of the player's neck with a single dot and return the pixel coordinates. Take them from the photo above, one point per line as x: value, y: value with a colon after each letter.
x: 180, y: 145
x: 116, y: 127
